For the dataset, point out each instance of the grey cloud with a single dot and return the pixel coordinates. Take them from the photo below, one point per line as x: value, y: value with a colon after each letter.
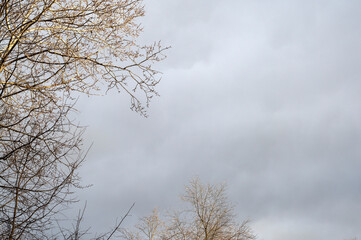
x: 264, y: 96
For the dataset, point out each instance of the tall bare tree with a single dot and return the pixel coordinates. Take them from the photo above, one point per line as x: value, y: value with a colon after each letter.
x: 50, y: 50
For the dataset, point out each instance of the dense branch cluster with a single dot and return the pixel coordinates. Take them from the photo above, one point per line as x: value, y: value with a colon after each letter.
x: 47, y: 46
x: 51, y: 50
x: 36, y: 175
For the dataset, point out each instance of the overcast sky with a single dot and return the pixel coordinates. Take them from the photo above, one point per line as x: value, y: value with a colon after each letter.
x: 262, y: 95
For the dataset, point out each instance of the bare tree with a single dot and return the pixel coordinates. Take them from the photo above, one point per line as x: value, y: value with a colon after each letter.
x: 49, y: 51
x: 148, y: 228
x: 210, y: 216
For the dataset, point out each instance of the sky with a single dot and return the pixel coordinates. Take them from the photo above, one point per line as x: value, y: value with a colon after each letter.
x: 261, y: 95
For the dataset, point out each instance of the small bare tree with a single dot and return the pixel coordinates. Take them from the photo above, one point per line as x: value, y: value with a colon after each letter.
x: 209, y: 217
x: 148, y: 228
